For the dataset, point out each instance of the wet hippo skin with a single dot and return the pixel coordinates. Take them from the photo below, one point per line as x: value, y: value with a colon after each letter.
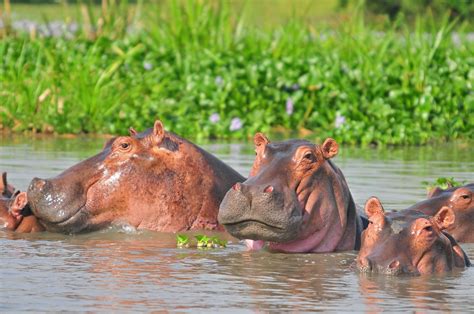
x: 295, y: 199
x: 460, y: 199
x: 410, y: 244
x: 152, y: 180
x: 15, y: 214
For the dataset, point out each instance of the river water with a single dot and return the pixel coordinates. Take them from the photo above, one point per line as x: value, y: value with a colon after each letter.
x: 123, y: 270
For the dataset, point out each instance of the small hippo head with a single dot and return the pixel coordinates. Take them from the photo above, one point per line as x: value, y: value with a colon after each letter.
x: 413, y: 246
x: 152, y: 180
x: 294, y: 198
x: 12, y: 205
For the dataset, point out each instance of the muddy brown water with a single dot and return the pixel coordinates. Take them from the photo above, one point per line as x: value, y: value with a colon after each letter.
x: 126, y: 270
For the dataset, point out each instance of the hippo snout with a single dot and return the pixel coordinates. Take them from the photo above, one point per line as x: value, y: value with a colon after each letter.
x: 259, y: 212
x: 52, y: 202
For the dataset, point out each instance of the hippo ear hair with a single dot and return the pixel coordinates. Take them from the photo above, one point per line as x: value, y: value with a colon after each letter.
x: 158, y: 132
x: 329, y: 148
x: 444, y: 218
x: 260, y: 138
x: 434, y: 192
x: 373, y: 206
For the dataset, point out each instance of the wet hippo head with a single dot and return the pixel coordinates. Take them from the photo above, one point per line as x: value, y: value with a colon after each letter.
x: 152, y: 180
x: 460, y: 200
x: 15, y: 215
x: 414, y: 246
x: 295, y: 198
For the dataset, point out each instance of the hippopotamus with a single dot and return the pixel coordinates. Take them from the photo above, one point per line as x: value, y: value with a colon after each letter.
x: 295, y: 198
x: 460, y: 199
x: 415, y: 245
x: 14, y: 211
x: 152, y: 180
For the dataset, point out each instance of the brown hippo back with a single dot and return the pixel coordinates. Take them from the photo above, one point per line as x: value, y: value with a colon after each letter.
x: 15, y: 214
x: 296, y: 199
x: 416, y: 244
x: 152, y: 180
x: 459, y: 199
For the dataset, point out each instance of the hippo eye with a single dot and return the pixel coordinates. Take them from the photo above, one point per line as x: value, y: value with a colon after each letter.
x: 428, y: 228
x: 308, y: 156
x: 124, y: 145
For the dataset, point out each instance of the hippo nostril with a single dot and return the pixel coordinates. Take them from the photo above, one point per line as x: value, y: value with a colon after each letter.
x: 268, y: 189
x: 237, y: 186
x: 394, y: 264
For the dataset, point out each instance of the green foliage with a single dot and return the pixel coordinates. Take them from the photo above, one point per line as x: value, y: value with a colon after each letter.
x: 443, y: 183
x: 203, y: 242
x: 206, y: 74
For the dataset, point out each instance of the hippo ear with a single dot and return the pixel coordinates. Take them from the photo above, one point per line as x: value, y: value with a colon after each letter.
x: 18, y: 204
x: 373, y: 206
x: 158, y: 132
x: 444, y: 218
x: 260, y: 139
x: 329, y: 148
x: 6, y: 189
x: 132, y: 131
x: 434, y: 192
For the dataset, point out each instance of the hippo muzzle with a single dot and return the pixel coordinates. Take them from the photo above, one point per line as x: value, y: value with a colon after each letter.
x: 259, y: 213
x: 57, y: 208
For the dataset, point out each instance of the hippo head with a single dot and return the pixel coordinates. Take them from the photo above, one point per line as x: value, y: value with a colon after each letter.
x: 12, y: 205
x: 460, y: 199
x: 413, y: 246
x: 151, y: 180
x: 294, y: 198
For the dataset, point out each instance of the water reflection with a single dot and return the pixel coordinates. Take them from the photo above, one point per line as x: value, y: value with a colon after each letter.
x: 143, y: 271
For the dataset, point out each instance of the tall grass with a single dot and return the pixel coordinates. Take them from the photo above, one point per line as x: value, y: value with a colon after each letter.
x: 199, y: 67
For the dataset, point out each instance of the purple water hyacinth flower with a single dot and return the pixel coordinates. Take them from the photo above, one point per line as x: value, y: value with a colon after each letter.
x: 340, y: 120
x: 214, y: 118
x: 235, y: 124
x: 147, y: 66
x: 289, y: 106
x: 219, y: 80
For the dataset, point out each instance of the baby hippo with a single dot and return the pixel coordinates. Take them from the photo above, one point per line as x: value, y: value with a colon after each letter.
x: 14, y: 211
x: 418, y: 245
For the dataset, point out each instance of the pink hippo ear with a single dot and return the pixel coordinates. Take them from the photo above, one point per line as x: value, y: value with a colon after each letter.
x: 329, y: 148
x: 158, y: 132
x: 6, y: 189
x: 132, y: 131
x: 444, y: 218
x: 434, y: 192
x: 373, y: 206
x: 260, y: 139
x: 18, y: 204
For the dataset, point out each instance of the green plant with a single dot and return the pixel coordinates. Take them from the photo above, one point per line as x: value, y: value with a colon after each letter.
x: 203, y: 241
x: 443, y: 183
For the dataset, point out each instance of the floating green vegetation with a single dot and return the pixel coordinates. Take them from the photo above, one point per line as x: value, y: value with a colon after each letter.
x: 443, y: 183
x: 202, y: 242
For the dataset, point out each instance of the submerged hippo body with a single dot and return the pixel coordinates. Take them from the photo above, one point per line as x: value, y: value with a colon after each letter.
x: 152, y: 180
x: 416, y: 244
x: 295, y: 198
x: 15, y: 214
x: 459, y: 199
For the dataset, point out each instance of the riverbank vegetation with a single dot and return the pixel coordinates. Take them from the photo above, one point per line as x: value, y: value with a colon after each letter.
x: 207, y: 72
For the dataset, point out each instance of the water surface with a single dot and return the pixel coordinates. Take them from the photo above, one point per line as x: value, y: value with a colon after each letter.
x: 120, y: 270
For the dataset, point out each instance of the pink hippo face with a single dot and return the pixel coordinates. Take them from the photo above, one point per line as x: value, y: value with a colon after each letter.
x: 295, y: 199
x: 417, y: 245
x: 152, y: 180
